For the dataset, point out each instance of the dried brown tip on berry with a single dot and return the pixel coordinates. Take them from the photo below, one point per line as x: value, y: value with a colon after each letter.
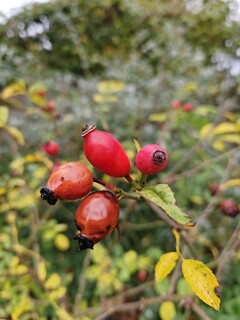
x: 87, y: 129
x: 84, y: 242
x: 159, y: 157
x: 47, y: 194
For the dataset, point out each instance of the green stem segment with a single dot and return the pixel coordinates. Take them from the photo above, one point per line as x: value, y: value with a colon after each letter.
x: 132, y: 182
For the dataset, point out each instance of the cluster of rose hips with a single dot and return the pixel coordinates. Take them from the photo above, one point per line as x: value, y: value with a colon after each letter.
x: 178, y: 104
x: 98, y: 212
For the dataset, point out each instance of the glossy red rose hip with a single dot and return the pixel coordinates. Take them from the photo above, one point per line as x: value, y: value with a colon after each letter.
x: 105, y: 152
x: 96, y: 217
x: 151, y: 159
x: 229, y: 207
x: 69, y: 181
x: 51, y: 148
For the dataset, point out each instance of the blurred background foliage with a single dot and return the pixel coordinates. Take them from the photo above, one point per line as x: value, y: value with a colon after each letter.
x: 119, y: 64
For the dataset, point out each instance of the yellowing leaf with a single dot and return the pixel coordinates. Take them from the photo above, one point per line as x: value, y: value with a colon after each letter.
x: 167, y: 310
x: 162, y: 196
x: 165, y: 265
x: 206, y: 131
x: 177, y: 237
x: 219, y: 146
x: 17, y: 88
x: 53, y: 282
x: 190, y: 87
x: 231, y: 138
x: 4, y: 115
x: 229, y: 184
x: 99, y: 98
x: 110, y: 86
x: 61, y: 242
x: 202, y: 281
x: 158, y: 117
x: 58, y: 293
x: 137, y: 145
x: 225, y: 127
x: 42, y: 270
x: 63, y: 314
x: 16, y: 134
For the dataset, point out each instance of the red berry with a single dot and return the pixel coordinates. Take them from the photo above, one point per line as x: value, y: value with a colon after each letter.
x: 41, y: 93
x: 188, y: 107
x: 96, y: 217
x: 213, y: 188
x: 142, y: 275
x: 105, y: 152
x: 51, y: 148
x: 69, y: 181
x: 50, y: 106
x: 151, y: 159
x: 229, y: 207
x: 176, y: 104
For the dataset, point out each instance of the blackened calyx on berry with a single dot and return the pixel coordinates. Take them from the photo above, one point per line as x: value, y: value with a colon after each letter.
x: 159, y: 157
x: 47, y: 194
x: 87, y: 129
x: 84, y: 242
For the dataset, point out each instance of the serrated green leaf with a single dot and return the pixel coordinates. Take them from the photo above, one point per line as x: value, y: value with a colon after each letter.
x: 162, y: 196
x: 165, y: 265
x: 202, y: 281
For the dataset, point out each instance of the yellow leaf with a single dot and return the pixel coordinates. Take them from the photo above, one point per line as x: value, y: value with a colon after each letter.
x: 190, y: 87
x: 167, y: 310
x: 229, y: 184
x: 206, y: 131
x: 165, y: 265
x: 202, y: 281
x: 61, y: 242
x: 197, y: 199
x: 219, y: 146
x: 177, y: 237
x: 99, y: 98
x: 2, y: 191
x: 137, y: 145
x: 4, y: 115
x: 53, y: 282
x: 110, y: 86
x: 225, y: 127
x: 58, y: 293
x: 158, y: 117
x: 17, y: 88
x: 63, y: 314
x: 41, y: 270
x: 231, y: 138
x: 16, y: 134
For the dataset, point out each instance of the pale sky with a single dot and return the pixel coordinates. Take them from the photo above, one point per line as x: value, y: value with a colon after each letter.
x: 9, y: 6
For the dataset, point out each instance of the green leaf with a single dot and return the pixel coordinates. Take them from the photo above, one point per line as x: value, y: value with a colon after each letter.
x: 162, y: 196
x: 165, y: 265
x: 202, y: 281
x: 4, y: 115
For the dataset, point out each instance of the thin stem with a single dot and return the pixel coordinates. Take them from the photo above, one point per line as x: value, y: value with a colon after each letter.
x: 105, y: 184
x: 132, y: 182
